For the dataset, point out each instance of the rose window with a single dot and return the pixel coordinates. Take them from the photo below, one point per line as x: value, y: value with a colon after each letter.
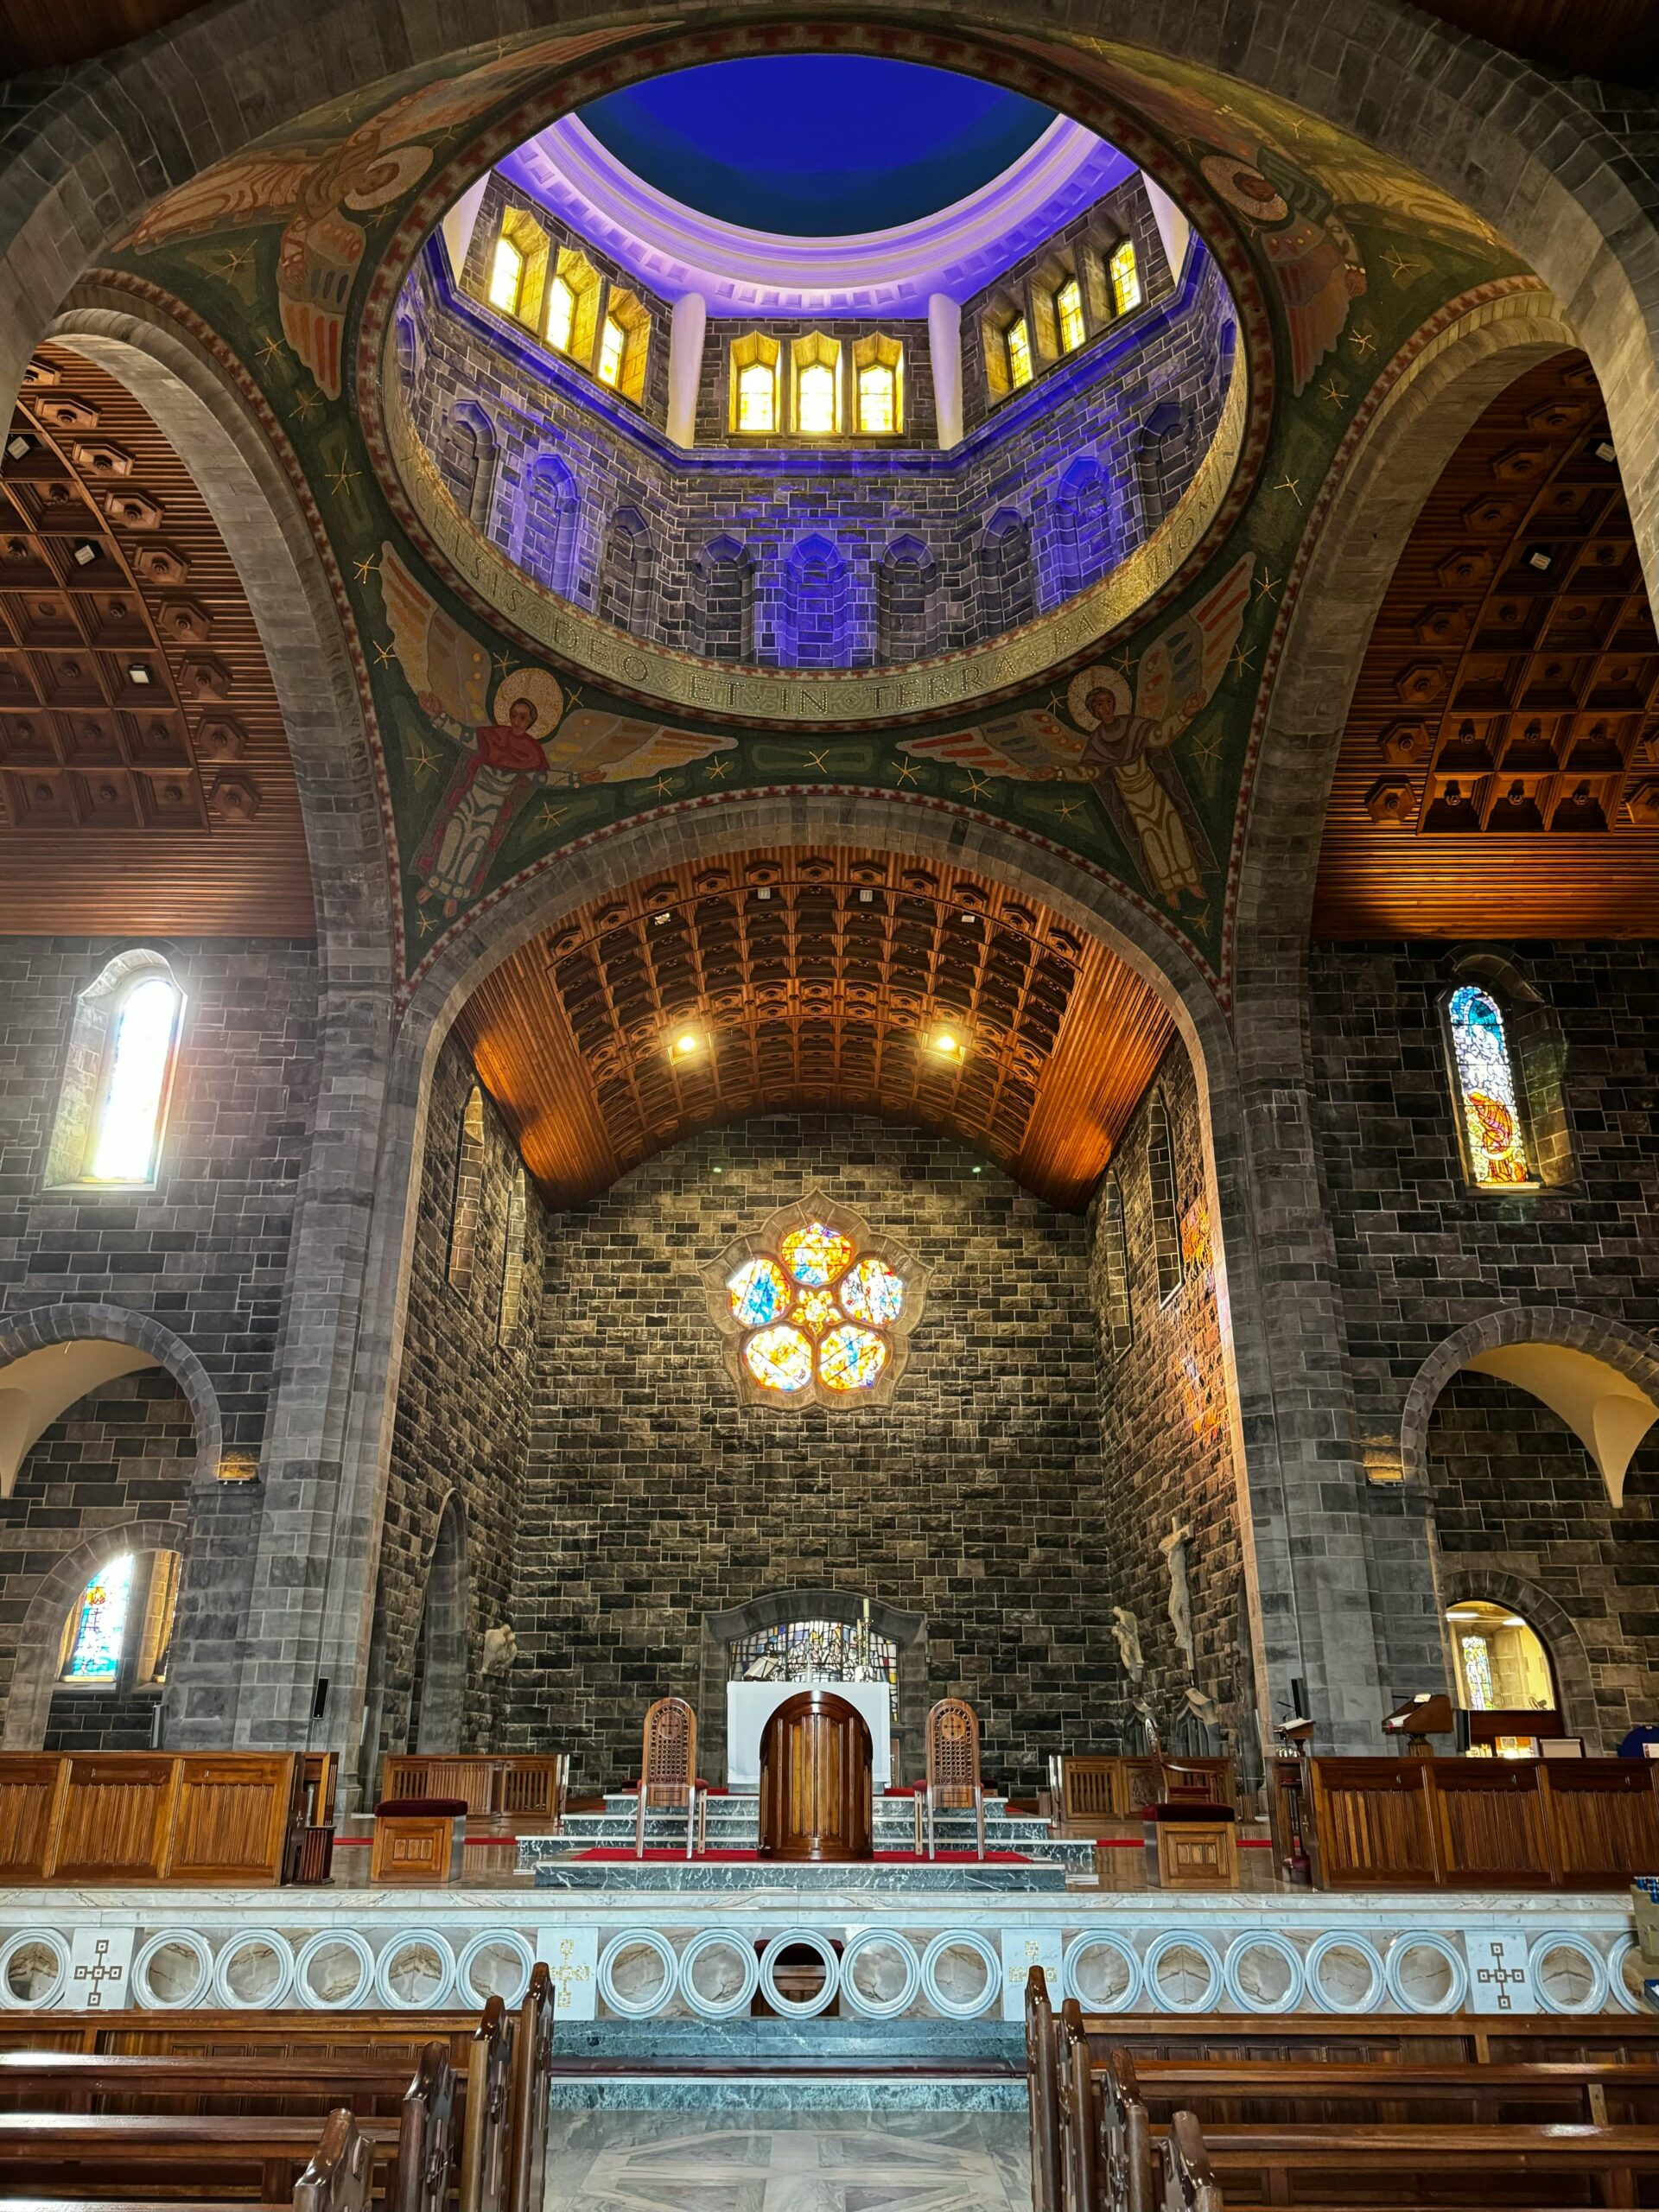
x: 816, y: 1308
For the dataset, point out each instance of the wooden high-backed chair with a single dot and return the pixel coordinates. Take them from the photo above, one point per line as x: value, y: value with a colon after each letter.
x: 953, y: 1777
x: 668, y: 1771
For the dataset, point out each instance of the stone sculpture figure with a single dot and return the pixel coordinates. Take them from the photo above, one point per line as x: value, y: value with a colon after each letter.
x: 500, y: 1650
x: 1127, y: 1631
x: 1173, y: 1548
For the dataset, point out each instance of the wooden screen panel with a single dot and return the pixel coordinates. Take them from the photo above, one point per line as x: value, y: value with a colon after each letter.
x: 1373, y: 1823
x: 232, y: 1817
x: 1604, y: 1816
x: 29, y: 1790
x: 117, y: 1810
x: 423, y: 1775
x: 1491, y: 1822
x: 1088, y: 1791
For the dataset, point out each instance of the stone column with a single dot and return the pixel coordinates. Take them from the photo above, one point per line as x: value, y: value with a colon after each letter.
x: 945, y: 349
x: 690, y: 320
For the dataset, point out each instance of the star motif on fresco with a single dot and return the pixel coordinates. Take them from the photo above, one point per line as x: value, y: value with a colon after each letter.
x: 1362, y: 341
x: 1243, y: 660
x: 1267, y: 585
x: 907, y: 772
x: 1292, y: 485
x: 1333, y: 391
x: 340, y: 477
x: 366, y: 568
x: 817, y: 761
x: 1401, y: 267
x: 977, y: 784
x: 718, y: 769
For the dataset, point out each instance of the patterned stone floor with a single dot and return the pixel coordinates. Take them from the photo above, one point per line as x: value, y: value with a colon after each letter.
x: 913, y: 2161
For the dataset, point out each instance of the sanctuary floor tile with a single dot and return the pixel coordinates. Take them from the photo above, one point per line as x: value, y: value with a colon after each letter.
x: 917, y: 2161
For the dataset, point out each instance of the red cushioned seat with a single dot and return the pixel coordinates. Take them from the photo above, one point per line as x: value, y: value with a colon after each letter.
x: 1185, y: 1809
x: 421, y: 1809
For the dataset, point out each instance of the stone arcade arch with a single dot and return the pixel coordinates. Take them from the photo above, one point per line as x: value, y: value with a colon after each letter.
x: 97, y: 1342
x: 437, y: 1697
x: 262, y: 522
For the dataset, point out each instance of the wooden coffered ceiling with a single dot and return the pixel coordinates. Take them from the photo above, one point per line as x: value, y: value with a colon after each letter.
x: 819, y: 980
x: 145, y: 781
x: 1499, y: 775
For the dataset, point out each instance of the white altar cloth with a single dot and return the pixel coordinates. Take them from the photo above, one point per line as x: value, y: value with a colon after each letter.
x: 749, y: 1706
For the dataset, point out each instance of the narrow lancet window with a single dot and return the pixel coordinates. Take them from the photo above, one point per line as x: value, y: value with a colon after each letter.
x: 1125, y: 275
x: 1068, y: 315
x: 1494, y: 1140
x: 1018, y: 340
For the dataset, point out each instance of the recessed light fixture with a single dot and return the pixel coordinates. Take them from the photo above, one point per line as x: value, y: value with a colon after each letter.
x: 19, y: 446
x: 685, y: 1044
x: 667, y: 915
x: 979, y: 1171
x: 948, y: 1045
x: 86, y: 552
x: 763, y: 891
x: 1539, y: 557
x: 1605, y: 449
x: 137, y: 673
x: 866, y: 897
x: 718, y: 1171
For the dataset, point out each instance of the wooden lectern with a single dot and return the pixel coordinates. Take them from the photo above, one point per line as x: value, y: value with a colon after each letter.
x: 815, y: 1780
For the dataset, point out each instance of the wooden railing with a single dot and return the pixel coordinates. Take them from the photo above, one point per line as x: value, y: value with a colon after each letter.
x: 530, y: 1788
x: 198, y: 1817
x: 1098, y: 1792
x: 1414, y: 1823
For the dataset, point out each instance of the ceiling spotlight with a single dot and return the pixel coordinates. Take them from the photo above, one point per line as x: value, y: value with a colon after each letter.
x: 19, y: 446
x: 948, y: 1045
x: 685, y: 1044
x: 763, y: 891
x: 85, y: 552
x: 667, y: 915
x: 1605, y: 449
x: 866, y: 897
x: 1539, y: 557
x: 979, y: 1171
x: 137, y: 673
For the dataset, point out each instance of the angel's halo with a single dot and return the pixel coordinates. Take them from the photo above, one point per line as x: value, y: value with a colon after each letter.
x: 543, y: 691
x: 1088, y: 681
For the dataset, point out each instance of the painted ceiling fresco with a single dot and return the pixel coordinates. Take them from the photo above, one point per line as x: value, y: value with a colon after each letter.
x: 285, y: 261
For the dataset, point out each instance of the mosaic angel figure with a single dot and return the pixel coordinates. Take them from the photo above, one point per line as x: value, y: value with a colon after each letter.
x: 1121, y: 742
x: 512, y: 738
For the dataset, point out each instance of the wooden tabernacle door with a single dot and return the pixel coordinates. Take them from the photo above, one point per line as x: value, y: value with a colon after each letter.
x: 815, y: 1780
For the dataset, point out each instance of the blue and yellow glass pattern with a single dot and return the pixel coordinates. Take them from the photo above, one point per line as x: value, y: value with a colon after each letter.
x: 850, y: 1358
x: 779, y: 1358
x: 760, y: 1293
x: 95, y: 1654
x: 1491, y: 1116
x: 871, y: 1292
x: 816, y: 1256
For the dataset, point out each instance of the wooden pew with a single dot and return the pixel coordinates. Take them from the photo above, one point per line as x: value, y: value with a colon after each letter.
x: 529, y: 2099
x: 1189, y: 2181
x: 265, y: 2150
x: 1042, y: 2095
x: 338, y: 2178
x: 1230, y: 2092
x: 1355, y: 2167
x: 195, y: 1817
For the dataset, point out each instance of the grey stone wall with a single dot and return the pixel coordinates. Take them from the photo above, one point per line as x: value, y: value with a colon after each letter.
x: 820, y: 548
x: 1421, y: 1255
x: 203, y: 1254
x: 653, y: 1498
x: 1166, y: 1450
x: 462, y: 1421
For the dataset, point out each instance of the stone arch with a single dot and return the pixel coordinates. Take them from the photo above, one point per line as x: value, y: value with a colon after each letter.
x: 1537, y: 1047
x: 721, y: 600
x: 1084, y: 528
x: 627, y: 573
x: 908, y: 612
x: 769, y: 1609
x: 256, y: 506
x: 135, y: 1340
x: 1559, y: 1632
x: 34, y: 1674
x: 472, y: 458
x: 1095, y: 902
x: 548, y: 525
x: 1006, y: 591
x: 438, y: 1691
x: 815, y: 625
x: 1600, y: 1376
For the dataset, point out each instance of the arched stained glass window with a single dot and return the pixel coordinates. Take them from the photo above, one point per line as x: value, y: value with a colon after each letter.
x: 612, y: 347
x: 560, y: 314
x: 756, y: 396
x: 467, y: 1200
x: 1125, y: 275
x: 877, y: 411
x: 98, y: 1627
x: 1489, y: 1106
x: 814, y: 400
x: 506, y: 276
x: 1068, y: 315
x: 1017, y: 338
x: 128, y: 1127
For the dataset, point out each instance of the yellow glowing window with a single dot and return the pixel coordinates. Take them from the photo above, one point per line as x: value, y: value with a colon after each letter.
x: 814, y: 400
x: 757, y: 397
x: 1068, y: 313
x: 506, y: 276
x: 1018, y: 340
x: 1126, y: 278
x: 560, y: 314
x: 612, y: 344
x: 877, y: 394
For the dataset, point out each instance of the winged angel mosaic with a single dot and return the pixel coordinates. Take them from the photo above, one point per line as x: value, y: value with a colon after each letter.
x: 513, y: 736
x: 1121, y: 742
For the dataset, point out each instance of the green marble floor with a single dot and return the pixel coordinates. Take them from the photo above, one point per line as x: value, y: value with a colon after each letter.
x: 921, y: 2160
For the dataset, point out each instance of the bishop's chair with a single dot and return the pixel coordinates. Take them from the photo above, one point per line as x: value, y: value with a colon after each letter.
x: 668, y: 1771
x: 953, y: 1777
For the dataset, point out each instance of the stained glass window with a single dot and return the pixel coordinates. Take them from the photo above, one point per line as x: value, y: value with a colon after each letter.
x: 1485, y: 1077
x: 506, y: 276
x: 1478, y: 1673
x: 757, y: 397
x: 814, y: 400
x: 560, y: 314
x: 817, y: 1651
x: 817, y: 1254
x: 813, y: 1312
x: 1018, y: 340
x: 130, y: 1116
x: 876, y: 392
x: 98, y: 1627
x: 1068, y: 314
x: 1126, y: 278
x: 612, y: 344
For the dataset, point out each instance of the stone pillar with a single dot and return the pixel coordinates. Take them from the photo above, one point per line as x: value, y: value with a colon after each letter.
x: 690, y: 320
x: 944, y: 348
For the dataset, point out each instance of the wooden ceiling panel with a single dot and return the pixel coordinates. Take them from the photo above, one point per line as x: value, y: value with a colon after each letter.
x: 1499, y: 775
x: 822, y: 980
x: 145, y: 780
